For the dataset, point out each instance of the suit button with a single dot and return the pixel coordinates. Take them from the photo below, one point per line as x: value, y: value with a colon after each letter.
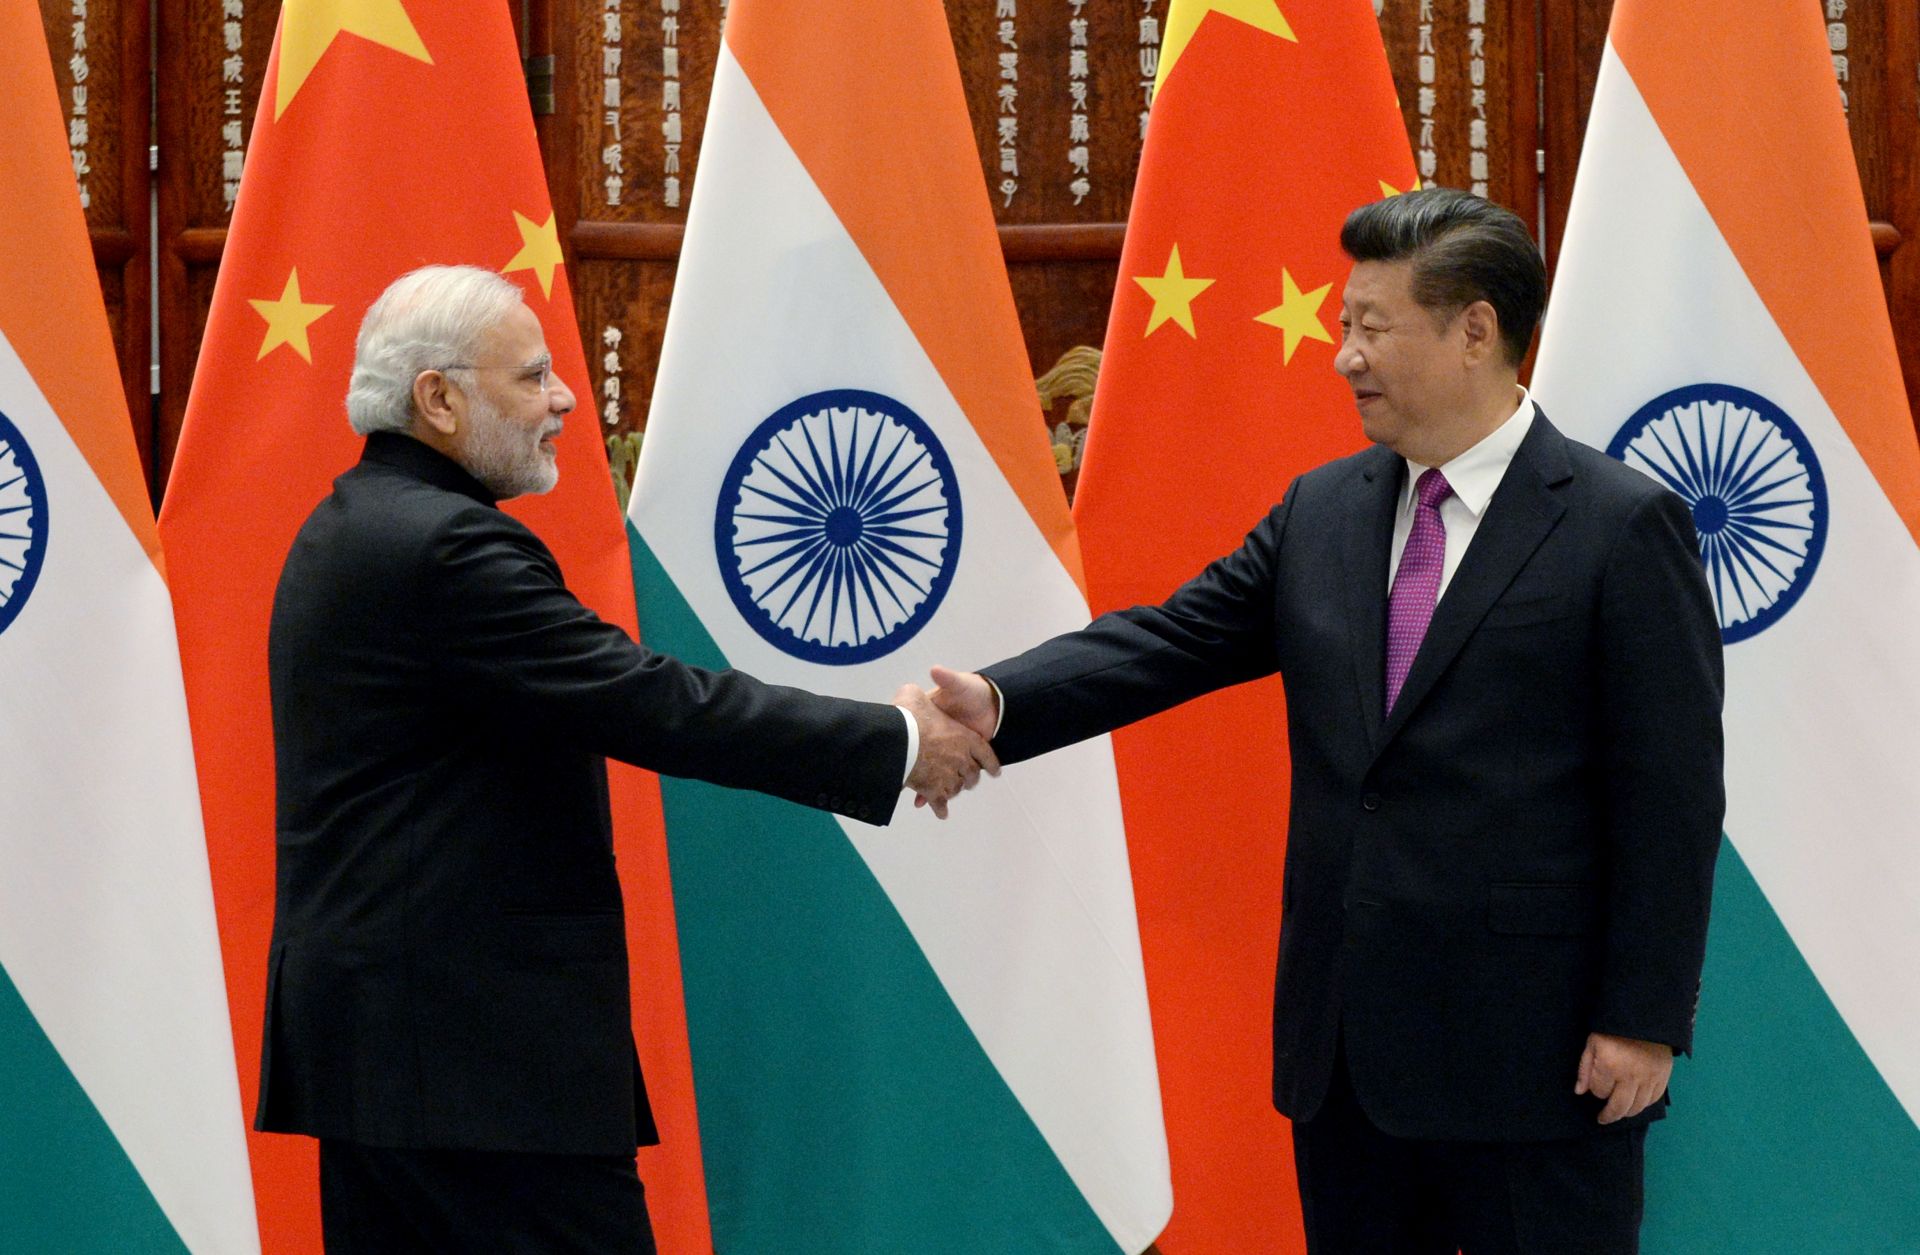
x: 820, y: 800
x: 1370, y: 803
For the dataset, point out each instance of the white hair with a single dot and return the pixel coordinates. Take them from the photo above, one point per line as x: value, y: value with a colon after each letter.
x: 427, y: 319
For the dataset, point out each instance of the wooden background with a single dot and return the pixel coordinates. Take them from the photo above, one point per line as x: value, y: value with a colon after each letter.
x: 1534, y: 62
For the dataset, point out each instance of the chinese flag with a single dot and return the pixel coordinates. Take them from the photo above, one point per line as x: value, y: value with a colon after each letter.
x: 392, y: 134
x: 1271, y: 122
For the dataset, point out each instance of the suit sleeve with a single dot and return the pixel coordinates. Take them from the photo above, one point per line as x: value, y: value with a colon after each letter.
x: 523, y: 648
x: 1661, y: 691
x: 1215, y: 630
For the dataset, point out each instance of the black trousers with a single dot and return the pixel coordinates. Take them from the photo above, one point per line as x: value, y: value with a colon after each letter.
x: 375, y: 1201
x: 1363, y: 1192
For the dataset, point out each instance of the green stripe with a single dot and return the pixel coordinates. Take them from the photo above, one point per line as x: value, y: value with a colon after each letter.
x: 1783, y: 1136
x: 65, y: 1183
x: 845, y: 1106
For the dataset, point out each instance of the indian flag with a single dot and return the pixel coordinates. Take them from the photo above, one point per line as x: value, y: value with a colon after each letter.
x: 120, y: 1123
x: 1717, y: 321
x: 928, y: 1037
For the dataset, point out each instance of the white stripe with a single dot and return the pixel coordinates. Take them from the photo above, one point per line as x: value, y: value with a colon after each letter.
x: 1022, y: 902
x: 1823, y: 798
x: 106, y: 909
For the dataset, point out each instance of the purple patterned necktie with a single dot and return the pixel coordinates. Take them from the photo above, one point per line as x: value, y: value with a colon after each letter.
x: 1416, y: 586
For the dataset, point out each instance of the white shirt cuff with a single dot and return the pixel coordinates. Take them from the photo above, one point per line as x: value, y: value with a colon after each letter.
x: 913, y: 742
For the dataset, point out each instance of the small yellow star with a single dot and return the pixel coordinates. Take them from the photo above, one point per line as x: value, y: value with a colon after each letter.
x: 539, y: 250
x: 1172, y: 294
x: 288, y: 319
x: 309, y: 27
x: 1297, y: 316
x: 1185, y: 16
x: 1389, y: 190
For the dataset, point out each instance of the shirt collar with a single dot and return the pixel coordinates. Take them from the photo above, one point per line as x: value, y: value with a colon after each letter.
x: 404, y: 453
x: 1474, y: 475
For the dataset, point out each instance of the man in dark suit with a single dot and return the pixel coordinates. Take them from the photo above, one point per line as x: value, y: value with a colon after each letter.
x: 1503, y: 687
x: 447, y: 1006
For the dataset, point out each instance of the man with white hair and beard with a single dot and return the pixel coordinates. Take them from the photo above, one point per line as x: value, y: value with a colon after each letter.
x: 447, y: 1006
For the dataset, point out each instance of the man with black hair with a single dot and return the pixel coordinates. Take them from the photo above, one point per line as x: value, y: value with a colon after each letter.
x: 1503, y: 681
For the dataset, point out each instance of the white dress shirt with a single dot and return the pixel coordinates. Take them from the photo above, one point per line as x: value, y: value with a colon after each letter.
x: 1473, y: 475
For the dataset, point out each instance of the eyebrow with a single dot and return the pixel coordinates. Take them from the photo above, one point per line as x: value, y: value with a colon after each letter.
x: 539, y: 362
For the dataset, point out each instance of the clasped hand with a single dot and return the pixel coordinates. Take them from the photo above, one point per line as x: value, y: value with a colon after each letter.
x: 952, y: 754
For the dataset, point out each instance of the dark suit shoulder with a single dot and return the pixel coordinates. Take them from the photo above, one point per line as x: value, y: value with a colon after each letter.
x: 381, y: 521
x: 1599, y: 476
x: 1610, y: 477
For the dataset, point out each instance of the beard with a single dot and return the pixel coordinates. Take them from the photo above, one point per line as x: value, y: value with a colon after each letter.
x: 506, y: 456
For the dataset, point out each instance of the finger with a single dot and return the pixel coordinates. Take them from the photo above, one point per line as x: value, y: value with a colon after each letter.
x: 919, y: 800
x: 1620, y: 1104
x: 1583, y: 1079
x: 1642, y: 1099
x: 984, y: 755
x: 940, y: 808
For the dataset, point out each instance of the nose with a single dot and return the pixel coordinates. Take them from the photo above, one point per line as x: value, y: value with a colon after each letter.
x: 1347, y: 360
x: 560, y: 398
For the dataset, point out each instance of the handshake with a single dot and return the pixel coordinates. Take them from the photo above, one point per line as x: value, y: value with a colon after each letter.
x: 955, y: 720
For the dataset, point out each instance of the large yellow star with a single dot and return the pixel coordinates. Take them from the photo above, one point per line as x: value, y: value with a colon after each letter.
x: 1297, y: 315
x: 288, y: 319
x: 1172, y: 295
x: 309, y: 27
x: 539, y: 250
x: 1185, y: 16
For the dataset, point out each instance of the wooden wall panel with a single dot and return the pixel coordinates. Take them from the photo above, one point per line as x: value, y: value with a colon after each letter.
x: 210, y: 60
x: 100, y: 50
x: 1467, y: 74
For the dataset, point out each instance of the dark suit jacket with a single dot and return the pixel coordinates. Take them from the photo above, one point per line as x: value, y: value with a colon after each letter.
x: 449, y: 964
x: 1523, y: 852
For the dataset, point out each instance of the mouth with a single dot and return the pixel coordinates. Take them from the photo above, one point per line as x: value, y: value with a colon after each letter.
x: 1362, y: 396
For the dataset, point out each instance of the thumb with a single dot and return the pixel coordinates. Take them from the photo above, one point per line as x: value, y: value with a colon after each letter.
x: 947, y: 678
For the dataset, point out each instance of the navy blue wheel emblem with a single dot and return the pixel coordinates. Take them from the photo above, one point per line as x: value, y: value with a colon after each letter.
x: 23, y: 522
x: 1759, y: 501
x: 838, y: 527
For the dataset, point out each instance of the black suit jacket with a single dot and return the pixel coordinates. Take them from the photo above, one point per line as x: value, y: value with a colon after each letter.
x: 448, y: 964
x: 1522, y: 852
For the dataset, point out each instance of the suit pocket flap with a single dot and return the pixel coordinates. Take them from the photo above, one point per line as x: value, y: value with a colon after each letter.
x: 1549, y: 910
x: 1527, y: 609
x: 564, y: 934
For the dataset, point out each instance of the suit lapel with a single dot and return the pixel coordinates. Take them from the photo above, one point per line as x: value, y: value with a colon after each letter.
x: 1523, y: 510
x: 1369, y: 536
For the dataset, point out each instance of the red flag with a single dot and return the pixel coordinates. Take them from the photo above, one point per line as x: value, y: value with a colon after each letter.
x: 392, y: 134
x: 1272, y: 121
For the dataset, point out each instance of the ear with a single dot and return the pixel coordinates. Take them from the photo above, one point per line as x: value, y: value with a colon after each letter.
x: 1481, y: 327
x: 437, y: 403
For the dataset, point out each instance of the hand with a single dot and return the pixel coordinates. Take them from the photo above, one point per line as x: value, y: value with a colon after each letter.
x: 1630, y: 1074
x: 967, y: 697
x: 951, y: 755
